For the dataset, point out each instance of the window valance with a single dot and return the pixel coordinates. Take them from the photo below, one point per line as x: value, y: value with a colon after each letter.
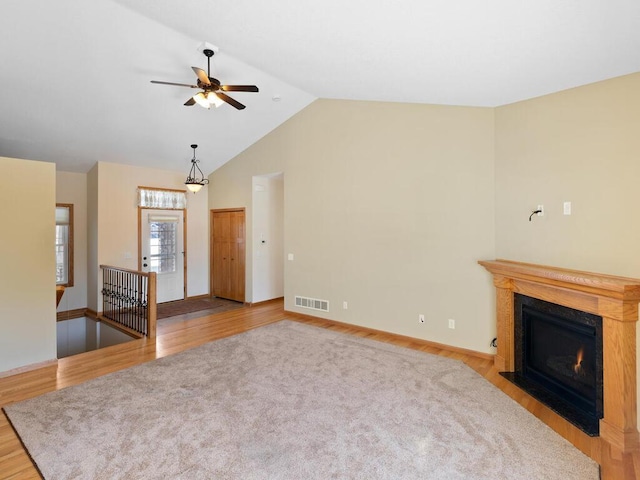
x: 161, y: 198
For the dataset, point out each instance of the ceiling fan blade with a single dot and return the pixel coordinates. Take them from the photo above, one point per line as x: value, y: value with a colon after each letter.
x: 230, y: 101
x: 176, y: 84
x: 189, y: 102
x: 239, y: 88
x: 202, y: 75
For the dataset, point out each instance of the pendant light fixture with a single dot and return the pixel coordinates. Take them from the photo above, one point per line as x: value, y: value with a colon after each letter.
x: 195, y: 183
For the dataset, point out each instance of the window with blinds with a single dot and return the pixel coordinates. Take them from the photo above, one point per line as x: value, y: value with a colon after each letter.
x: 64, y: 244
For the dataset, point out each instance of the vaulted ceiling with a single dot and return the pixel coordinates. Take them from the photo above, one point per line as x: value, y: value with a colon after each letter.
x: 75, y: 74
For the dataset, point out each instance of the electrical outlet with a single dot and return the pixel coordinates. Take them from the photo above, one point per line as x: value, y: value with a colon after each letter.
x: 541, y: 212
x: 345, y: 305
x: 452, y: 323
x: 421, y: 318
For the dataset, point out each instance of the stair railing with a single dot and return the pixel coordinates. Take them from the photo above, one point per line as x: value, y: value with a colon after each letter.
x: 129, y: 300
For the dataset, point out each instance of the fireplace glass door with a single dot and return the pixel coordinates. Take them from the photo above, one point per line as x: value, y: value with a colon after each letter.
x: 562, y: 355
x: 558, y: 358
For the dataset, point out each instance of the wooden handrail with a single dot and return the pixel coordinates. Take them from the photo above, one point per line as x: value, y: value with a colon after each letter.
x: 144, y: 274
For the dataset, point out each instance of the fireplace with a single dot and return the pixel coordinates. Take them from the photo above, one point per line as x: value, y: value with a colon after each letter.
x: 558, y: 359
x: 615, y: 300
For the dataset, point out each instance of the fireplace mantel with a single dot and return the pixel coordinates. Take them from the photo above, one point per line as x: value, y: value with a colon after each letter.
x: 613, y: 298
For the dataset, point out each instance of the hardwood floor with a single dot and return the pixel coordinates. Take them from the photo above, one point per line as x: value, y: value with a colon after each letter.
x: 187, y: 332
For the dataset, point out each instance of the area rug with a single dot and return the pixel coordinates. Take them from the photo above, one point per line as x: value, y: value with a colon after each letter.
x: 291, y: 401
x: 216, y: 305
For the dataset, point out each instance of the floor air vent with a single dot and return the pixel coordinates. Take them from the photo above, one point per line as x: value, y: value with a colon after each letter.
x: 312, y: 303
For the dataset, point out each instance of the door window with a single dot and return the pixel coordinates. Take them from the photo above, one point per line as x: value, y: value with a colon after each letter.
x: 163, y: 244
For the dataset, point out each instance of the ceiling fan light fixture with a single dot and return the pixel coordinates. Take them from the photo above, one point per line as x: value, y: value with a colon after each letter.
x: 214, y: 99
x: 202, y: 100
x: 195, y: 180
x: 208, y: 99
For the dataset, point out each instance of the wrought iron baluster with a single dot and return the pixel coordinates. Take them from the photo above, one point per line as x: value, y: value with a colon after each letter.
x: 125, y: 298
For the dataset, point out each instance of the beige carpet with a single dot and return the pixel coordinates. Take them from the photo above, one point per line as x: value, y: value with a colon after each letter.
x: 291, y: 401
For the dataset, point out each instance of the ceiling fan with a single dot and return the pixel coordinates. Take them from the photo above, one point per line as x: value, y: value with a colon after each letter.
x: 212, y: 94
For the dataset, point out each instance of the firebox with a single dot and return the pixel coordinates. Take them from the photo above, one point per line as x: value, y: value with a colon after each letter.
x: 558, y: 359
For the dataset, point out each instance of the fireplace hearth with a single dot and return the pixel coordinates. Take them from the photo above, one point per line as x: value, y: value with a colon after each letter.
x: 558, y: 359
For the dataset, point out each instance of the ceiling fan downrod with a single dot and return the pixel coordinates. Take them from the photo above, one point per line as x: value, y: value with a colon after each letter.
x: 209, y: 53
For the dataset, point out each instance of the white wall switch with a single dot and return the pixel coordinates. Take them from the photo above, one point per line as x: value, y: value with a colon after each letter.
x: 566, y: 208
x: 345, y: 305
x: 452, y: 323
x: 541, y: 212
x: 290, y: 257
x: 421, y: 318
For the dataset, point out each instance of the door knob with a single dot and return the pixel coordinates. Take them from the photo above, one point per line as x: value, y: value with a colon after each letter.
x: 144, y: 258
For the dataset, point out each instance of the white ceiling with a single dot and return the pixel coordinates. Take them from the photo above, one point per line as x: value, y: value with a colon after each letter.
x: 75, y: 73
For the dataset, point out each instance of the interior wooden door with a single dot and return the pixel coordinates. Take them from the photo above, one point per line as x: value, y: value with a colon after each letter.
x: 228, y: 254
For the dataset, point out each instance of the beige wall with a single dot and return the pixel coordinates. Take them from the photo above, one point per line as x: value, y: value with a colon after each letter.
x: 583, y: 146
x: 72, y: 188
x: 93, y: 239
x: 117, y: 221
x: 27, y: 283
x: 388, y: 207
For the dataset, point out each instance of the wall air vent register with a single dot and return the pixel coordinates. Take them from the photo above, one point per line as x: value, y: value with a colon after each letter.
x: 312, y: 303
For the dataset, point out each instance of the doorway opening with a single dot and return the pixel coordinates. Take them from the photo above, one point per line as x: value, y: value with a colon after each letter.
x: 267, y: 235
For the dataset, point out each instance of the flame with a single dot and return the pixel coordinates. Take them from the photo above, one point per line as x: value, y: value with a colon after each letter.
x: 577, y: 368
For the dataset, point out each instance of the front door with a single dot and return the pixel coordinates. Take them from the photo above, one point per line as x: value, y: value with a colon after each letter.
x: 162, y: 251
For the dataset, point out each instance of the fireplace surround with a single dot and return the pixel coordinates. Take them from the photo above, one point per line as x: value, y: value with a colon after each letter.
x: 613, y: 298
